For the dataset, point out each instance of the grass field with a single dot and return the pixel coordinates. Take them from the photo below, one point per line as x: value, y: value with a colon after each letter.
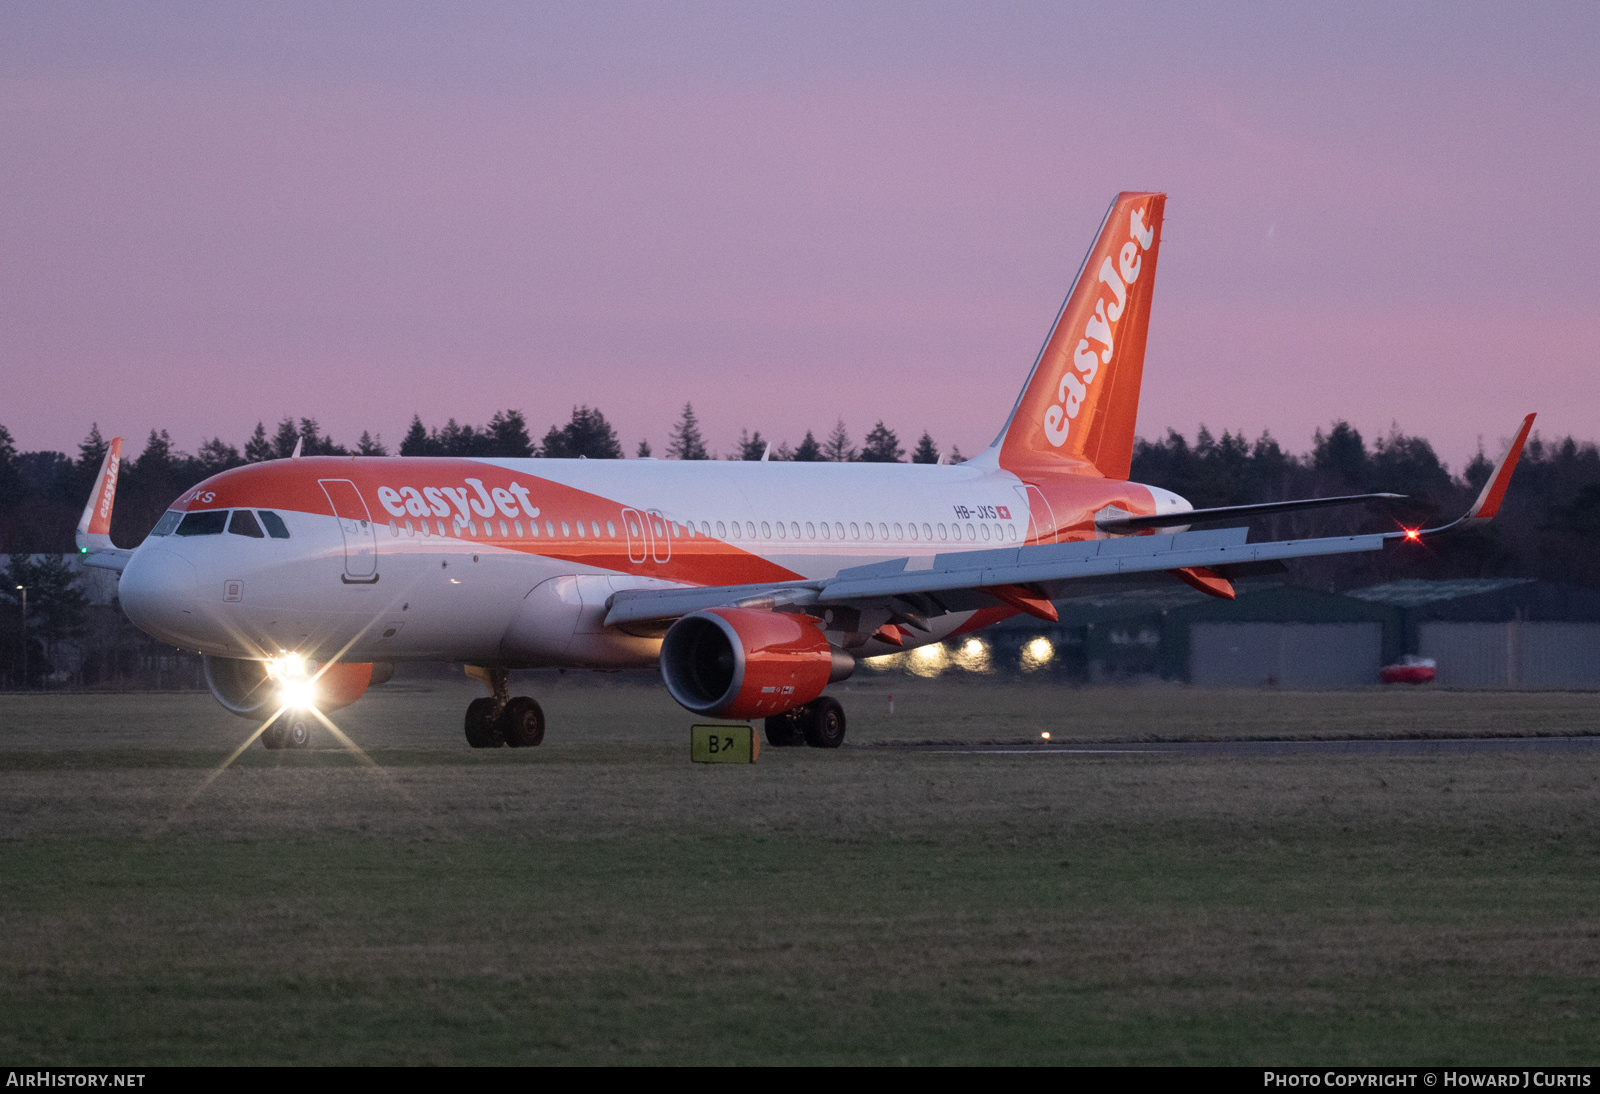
x: 600, y: 899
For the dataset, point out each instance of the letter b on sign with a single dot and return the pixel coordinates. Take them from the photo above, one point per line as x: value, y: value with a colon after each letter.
x: 723, y: 744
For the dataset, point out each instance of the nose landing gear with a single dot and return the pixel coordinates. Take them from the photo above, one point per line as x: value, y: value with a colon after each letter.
x: 290, y: 731
x: 820, y: 724
x: 499, y: 720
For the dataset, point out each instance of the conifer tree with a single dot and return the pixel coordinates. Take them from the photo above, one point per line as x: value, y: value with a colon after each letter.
x: 752, y: 446
x: 258, y: 447
x: 370, y: 446
x: 837, y: 448
x: 809, y: 451
x: 686, y: 443
x: 926, y: 451
x: 416, y: 442
x: 510, y: 432
x: 284, y: 440
x: 881, y: 446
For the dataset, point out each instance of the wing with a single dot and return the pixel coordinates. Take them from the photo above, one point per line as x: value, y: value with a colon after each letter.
x: 1026, y: 577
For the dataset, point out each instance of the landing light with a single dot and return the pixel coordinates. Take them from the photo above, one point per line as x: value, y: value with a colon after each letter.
x: 298, y: 694
x: 296, y: 686
x: 288, y: 666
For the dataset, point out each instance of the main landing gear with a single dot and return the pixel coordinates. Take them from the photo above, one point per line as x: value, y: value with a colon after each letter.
x: 290, y: 731
x: 498, y: 720
x: 820, y: 724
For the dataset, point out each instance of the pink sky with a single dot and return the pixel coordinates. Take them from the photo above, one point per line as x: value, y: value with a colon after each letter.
x: 213, y: 215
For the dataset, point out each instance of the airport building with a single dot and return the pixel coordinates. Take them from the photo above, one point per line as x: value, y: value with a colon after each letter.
x: 1489, y: 633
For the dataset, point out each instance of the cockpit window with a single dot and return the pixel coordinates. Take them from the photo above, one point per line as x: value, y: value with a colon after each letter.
x: 275, y: 525
x: 208, y: 522
x: 244, y: 523
x: 169, y: 521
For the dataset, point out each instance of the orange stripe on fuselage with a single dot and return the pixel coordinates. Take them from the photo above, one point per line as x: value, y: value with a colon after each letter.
x: 294, y: 485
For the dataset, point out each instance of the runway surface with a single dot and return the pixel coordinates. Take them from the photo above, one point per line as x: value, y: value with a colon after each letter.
x: 1382, y: 747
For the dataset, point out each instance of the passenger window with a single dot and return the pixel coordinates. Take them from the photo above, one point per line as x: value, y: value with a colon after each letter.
x: 169, y: 521
x: 855, y: 533
x: 566, y: 530
x: 243, y: 523
x: 750, y: 528
x: 838, y: 529
x: 735, y: 529
x: 794, y: 527
x: 705, y: 528
x: 516, y: 526
x: 207, y: 523
x: 782, y: 531
x: 927, y: 533
x: 985, y: 528
x: 883, y: 530
x: 912, y: 528
x: 722, y: 530
x: 943, y: 533
x: 811, y: 530
x: 550, y: 528
x: 766, y: 530
x: 394, y: 529
x: 869, y: 529
x: 824, y: 529
x: 611, y: 529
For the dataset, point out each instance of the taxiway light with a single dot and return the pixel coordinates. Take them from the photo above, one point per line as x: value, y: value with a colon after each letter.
x: 1045, y: 735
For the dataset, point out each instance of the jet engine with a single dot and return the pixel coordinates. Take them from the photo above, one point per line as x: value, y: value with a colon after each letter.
x: 740, y: 663
x: 254, y: 689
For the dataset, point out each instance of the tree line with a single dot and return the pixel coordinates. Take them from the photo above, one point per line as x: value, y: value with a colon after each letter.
x: 1547, y: 529
x: 43, y: 493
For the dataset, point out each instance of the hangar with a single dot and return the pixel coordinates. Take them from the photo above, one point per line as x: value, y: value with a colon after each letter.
x: 1498, y: 632
x: 1484, y: 633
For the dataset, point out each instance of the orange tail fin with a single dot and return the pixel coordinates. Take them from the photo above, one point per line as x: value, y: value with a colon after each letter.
x: 1077, y: 412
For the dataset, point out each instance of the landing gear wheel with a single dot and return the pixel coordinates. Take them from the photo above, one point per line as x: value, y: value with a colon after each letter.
x: 297, y: 734
x: 522, y: 722
x: 483, y: 728
x: 785, y: 730
x: 272, y: 736
x: 824, y: 728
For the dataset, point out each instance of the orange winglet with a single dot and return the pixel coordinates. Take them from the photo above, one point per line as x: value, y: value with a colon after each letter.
x: 1207, y: 581
x: 1488, y: 503
x: 1024, y: 600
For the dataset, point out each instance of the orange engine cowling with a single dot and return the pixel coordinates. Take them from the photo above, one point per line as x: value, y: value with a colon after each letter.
x: 739, y: 663
x: 340, y: 684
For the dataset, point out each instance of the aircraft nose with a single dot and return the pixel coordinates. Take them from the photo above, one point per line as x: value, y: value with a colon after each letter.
x: 160, y: 591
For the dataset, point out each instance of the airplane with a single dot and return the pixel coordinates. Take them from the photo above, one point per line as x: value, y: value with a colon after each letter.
x: 752, y: 585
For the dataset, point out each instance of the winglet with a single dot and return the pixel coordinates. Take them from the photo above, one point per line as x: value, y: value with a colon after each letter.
x: 1488, y: 503
x: 94, y: 527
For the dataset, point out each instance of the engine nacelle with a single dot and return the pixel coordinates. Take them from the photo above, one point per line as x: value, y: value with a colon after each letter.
x: 254, y: 689
x: 739, y: 663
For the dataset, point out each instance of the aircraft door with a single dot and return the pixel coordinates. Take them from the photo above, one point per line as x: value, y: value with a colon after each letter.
x: 1041, y: 518
x: 638, y: 532
x: 660, y: 536
x: 355, y: 525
